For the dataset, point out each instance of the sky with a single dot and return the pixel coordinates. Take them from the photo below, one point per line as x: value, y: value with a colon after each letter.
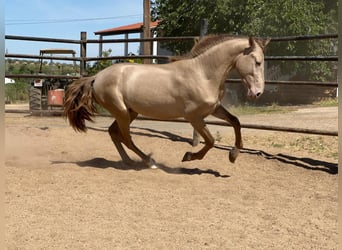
x: 66, y: 19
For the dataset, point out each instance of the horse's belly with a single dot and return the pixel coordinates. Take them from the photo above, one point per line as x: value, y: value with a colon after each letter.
x: 159, y: 110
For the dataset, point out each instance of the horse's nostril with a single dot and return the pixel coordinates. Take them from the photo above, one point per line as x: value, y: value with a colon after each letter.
x: 258, y: 94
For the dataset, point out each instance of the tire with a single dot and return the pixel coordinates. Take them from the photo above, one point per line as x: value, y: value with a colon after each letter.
x: 35, y: 96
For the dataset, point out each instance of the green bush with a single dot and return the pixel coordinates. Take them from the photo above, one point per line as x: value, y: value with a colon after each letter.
x: 17, y: 92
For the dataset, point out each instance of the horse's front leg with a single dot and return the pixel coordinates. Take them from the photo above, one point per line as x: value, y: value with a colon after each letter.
x: 201, y: 128
x: 221, y: 113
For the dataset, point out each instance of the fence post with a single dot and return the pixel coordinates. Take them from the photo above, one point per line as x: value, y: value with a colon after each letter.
x: 83, y: 53
x: 147, y: 30
x: 100, y: 46
x: 203, y: 32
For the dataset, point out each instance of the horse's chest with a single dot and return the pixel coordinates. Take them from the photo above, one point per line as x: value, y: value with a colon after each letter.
x: 203, y: 102
x: 207, y: 95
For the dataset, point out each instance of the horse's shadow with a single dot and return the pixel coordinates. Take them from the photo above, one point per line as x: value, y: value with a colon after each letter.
x: 161, y: 134
x: 303, y: 162
x: 139, y: 166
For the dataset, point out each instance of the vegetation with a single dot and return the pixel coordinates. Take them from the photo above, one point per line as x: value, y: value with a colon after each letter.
x: 32, y: 67
x: 276, y: 109
x: 259, y: 18
x: 92, y: 69
x: 327, y: 102
x: 314, y: 144
x: 18, y: 91
x: 248, y: 109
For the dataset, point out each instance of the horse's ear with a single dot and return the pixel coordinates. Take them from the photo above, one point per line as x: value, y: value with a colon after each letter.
x: 263, y: 43
x: 251, y: 46
x: 251, y: 42
x: 196, y: 40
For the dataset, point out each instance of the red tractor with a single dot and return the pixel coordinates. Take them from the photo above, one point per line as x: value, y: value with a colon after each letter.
x: 48, y: 92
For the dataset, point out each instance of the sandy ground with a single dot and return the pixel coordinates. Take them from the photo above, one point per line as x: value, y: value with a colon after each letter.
x: 66, y: 190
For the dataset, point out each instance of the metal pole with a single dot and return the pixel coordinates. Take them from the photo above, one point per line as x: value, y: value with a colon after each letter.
x: 204, y: 27
x: 147, y: 30
x: 83, y: 53
x: 203, y: 32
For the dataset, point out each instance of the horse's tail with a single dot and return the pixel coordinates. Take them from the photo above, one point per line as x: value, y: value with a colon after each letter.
x: 79, y: 103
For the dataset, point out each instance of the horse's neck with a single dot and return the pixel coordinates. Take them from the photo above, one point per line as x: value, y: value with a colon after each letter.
x: 219, y: 60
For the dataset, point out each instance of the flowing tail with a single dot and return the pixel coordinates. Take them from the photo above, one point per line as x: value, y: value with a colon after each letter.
x: 79, y: 103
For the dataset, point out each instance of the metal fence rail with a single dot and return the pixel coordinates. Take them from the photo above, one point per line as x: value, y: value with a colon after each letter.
x: 301, y: 58
x: 29, y: 76
x: 304, y: 37
x: 84, y: 41
x: 300, y: 83
x: 25, y: 56
x: 41, y: 39
x: 138, y: 40
x: 125, y: 57
x: 258, y: 126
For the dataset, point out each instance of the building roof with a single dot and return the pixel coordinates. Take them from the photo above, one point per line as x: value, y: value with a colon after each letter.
x: 131, y: 28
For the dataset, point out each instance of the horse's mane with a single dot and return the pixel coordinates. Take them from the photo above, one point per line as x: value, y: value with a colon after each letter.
x: 202, y: 45
x: 207, y: 42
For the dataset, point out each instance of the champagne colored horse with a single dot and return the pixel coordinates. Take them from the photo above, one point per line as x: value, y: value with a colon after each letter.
x: 191, y: 87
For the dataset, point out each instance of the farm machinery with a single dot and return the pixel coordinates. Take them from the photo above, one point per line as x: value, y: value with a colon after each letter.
x: 47, y: 92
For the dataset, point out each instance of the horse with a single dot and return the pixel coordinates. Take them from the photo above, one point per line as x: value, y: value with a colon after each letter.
x: 190, y: 87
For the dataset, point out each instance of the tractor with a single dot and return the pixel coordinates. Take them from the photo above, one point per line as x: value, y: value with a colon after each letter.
x: 48, y: 91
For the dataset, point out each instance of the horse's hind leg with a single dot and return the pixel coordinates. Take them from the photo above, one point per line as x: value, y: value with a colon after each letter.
x: 199, y: 125
x: 124, y: 121
x: 116, y: 136
x: 221, y: 113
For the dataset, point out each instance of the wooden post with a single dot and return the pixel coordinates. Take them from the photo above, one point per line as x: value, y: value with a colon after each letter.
x: 126, y: 45
x: 100, y: 46
x: 83, y: 53
x: 203, y: 32
x: 147, y: 29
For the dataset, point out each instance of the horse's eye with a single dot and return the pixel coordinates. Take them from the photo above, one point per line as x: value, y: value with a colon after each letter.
x: 258, y: 63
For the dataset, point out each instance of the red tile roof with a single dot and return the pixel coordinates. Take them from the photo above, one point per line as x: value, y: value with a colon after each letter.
x: 131, y: 28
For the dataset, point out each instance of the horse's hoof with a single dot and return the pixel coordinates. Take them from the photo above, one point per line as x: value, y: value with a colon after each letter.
x: 233, y: 154
x: 154, y: 166
x: 151, y: 163
x: 187, y: 156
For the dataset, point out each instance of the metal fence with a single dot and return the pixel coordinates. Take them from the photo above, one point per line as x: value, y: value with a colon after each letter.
x: 83, y: 59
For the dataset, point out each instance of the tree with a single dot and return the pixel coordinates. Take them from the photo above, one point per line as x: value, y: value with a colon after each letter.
x: 246, y: 17
x: 255, y: 17
x: 99, y: 65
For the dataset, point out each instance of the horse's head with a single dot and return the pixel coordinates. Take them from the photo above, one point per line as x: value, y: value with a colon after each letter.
x: 250, y: 65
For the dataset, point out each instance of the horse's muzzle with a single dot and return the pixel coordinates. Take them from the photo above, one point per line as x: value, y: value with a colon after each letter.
x: 254, y: 94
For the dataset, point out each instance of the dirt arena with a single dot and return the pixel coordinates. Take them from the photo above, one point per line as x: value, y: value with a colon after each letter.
x: 66, y: 190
